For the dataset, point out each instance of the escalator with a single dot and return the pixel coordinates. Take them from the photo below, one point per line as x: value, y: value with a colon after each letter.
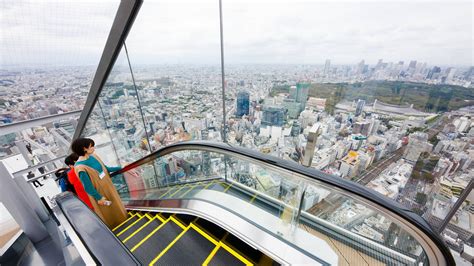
x: 214, y: 217
x: 179, y: 239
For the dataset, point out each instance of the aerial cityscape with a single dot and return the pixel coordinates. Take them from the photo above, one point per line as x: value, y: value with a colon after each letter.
x: 402, y: 130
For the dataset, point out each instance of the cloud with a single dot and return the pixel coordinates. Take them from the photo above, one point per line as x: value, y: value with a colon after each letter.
x: 256, y: 31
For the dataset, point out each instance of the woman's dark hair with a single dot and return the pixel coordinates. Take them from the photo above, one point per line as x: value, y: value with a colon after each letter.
x: 71, y: 159
x: 80, y: 144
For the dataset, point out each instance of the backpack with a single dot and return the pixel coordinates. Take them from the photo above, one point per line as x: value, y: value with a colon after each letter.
x: 63, y: 181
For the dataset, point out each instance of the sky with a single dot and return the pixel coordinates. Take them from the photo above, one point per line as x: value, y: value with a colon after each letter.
x: 255, y: 32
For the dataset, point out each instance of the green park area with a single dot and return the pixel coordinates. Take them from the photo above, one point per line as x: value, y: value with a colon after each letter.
x: 424, y: 97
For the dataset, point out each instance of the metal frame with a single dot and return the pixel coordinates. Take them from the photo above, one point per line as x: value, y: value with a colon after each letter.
x: 430, y: 240
x: 121, y: 26
x: 18, y: 126
x: 465, y: 193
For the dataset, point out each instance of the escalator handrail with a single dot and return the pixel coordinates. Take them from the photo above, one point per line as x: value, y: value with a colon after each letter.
x: 109, y: 250
x: 346, y: 186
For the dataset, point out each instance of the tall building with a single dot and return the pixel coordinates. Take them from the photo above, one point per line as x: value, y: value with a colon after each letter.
x: 243, y: 103
x: 293, y: 92
x: 273, y: 116
x: 434, y: 73
x: 327, y: 67
x: 360, y: 107
x: 293, y: 108
x: 362, y: 128
x: 417, y: 143
x: 302, y: 91
x: 206, y: 157
x: 349, y: 165
x: 295, y: 129
x: 311, y: 145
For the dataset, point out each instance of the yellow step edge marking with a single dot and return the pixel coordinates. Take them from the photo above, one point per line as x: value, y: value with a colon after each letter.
x: 139, y: 229
x: 148, y: 236
x: 204, y: 234
x: 167, y: 191
x: 177, y: 191
x: 123, y: 222
x: 233, y: 248
x: 177, y: 222
x: 126, y: 228
x: 211, y: 255
x: 160, y: 218
x: 205, y: 231
x: 208, y: 185
x: 187, y: 191
x: 237, y: 255
x: 169, y: 245
x: 228, y: 186
x: 177, y: 219
x: 253, y: 198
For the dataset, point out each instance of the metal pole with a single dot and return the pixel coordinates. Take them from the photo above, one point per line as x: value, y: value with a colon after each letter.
x: 462, y: 198
x: 224, y: 137
x: 17, y: 204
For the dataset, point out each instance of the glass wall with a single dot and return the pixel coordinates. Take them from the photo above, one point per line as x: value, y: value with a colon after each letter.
x: 344, y: 88
x: 174, y: 52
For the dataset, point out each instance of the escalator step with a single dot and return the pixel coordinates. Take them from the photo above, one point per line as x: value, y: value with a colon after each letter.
x: 223, y: 257
x: 239, y: 194
x: 218, y: 187
x: 211, y: 228
x: 130, y: 230
x: 128, y: 222
x: 190, y: 192
x: 134, y: 240
x: 149, y: 249
x: 243, y: 248
x: 169, y: 192
x: 166, y: 215
x: 192, y: 248
x: 184, y: 218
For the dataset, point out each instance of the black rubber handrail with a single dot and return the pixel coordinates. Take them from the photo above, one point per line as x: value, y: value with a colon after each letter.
x: 104, y: 247
x: 330, y: 180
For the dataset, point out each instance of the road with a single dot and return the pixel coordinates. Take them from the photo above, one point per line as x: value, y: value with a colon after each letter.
x: 374, y: 170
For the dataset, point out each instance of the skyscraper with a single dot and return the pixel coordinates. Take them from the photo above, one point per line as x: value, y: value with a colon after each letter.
x: 273, y: 116
x: 360, y: 107
x: 433, y: 74
x: 327, y: 66
x: 302, y: 91
x: 206, y: 157
x: 243, y: 103
x: 311, y: 145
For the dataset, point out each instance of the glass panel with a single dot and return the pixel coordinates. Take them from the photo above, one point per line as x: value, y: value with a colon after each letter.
x: 48, y: 55
x: 271, y: 197
x: 175, y: 62
x: 119, y: 110
x: 459, y: 232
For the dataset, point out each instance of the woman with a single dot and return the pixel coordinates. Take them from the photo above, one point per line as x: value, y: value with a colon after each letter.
x: 74, y: 180
x: 94, y: 175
